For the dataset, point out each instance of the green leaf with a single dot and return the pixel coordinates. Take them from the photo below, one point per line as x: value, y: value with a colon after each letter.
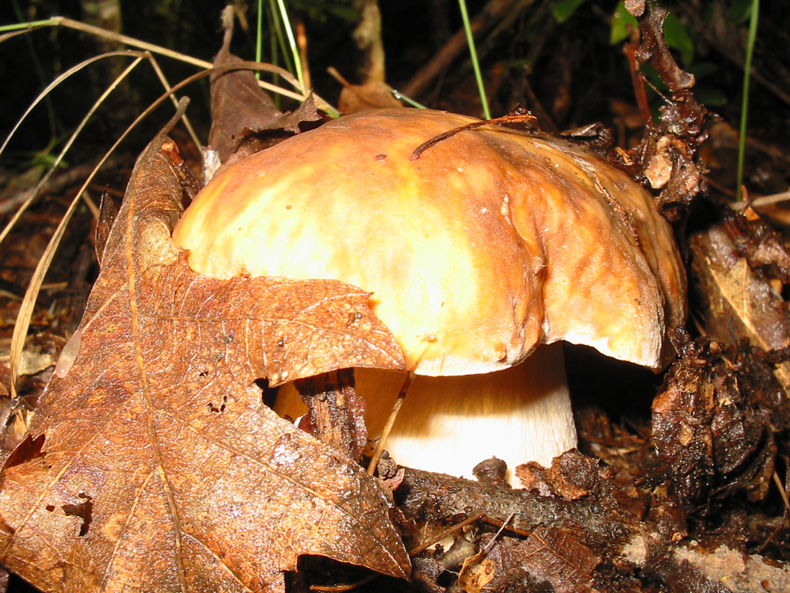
x: 702, y: 70
x: 739, y: 11
x: 563, y: 9
x: 710, y: 96
x: 677, y: 36
x: 621, y: 18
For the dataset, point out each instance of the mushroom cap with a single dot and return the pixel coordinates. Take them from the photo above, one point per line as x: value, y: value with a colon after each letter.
x: 490, y: 243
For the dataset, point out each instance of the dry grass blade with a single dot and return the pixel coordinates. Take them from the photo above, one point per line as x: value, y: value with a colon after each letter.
x: 31, y: 294
x: 156, y: 49
x: 72, y: 138
x: 28, y: 303
x: 61, y: 78
x: 74, y: 70
x: 762, y: 201
x: 174, y: 98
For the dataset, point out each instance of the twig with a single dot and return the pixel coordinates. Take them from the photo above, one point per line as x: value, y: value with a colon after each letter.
x: 449, y: 531
x: 505, y: 119
x: 762, y: 201
x: 490, y: 544
x: 491, y: 12
x: 374, y: 460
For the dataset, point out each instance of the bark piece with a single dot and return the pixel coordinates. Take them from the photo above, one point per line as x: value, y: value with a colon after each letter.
x: 715, y: 423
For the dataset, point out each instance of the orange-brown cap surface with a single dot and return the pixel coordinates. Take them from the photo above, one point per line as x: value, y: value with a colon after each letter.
x: 491, y: 242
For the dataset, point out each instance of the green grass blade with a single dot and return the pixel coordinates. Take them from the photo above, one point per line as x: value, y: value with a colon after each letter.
x: 473, y: 52
x: 289, y: 33
x: 753, y: 19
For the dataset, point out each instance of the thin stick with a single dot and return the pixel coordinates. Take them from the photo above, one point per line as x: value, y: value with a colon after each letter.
x: 449, y: 531
x: 505, y: 119
x: 763, y: 201
x: 782, y: 491
x: 490, y: 544
x: 374, y: 460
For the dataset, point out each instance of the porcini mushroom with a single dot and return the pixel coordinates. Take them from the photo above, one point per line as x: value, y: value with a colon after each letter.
x: 491, y: 245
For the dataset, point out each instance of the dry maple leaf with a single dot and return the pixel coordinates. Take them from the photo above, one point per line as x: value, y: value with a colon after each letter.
x: 152, y: 464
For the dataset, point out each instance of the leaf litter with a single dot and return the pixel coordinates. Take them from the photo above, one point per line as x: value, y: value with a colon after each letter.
x: 153, y: 463
x: 142, y: 467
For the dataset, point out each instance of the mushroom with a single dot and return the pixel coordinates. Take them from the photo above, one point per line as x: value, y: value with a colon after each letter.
x: 479, y: 255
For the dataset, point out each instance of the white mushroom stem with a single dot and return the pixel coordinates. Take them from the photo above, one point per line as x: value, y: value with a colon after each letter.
x: 450, y: 424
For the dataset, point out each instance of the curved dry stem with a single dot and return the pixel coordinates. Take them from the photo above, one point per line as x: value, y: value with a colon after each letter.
x: 163, y: 51
x: 60, y: 78
x: 138, y: 57
x: 26, y: 309
x: 34, y: 286
x: 31, y: 294
x: 166, y: 84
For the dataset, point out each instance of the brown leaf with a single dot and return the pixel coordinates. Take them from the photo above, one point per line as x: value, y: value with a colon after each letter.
x: 557, y: 556
x: 476, y: 574
x: 237, y: 102
x: 153, y: 464
x: 363, y: 97
x: 240, y: 109
x: 549, y: 555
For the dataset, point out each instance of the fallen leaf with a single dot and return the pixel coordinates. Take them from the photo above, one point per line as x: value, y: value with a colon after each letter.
x: 550, y: 555
x: 365, y: 97
x: 152, y: 464
x: 355, y: 98
x: 237, y: 102
x: 557, y: 556
x: 476, y: 574
x: 240, y: 109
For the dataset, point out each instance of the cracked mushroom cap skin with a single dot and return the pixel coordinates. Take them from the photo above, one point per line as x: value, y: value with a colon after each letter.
x: 490, y: 243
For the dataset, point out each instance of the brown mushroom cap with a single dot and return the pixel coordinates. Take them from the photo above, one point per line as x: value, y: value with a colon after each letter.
x: 490, y: 243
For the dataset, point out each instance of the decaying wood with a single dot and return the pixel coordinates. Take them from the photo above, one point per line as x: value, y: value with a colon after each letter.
x: 336, y: 412
x: 601, y: 519
x: 731, y: 261
x: 716, y: 421
x: 666, y: 159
